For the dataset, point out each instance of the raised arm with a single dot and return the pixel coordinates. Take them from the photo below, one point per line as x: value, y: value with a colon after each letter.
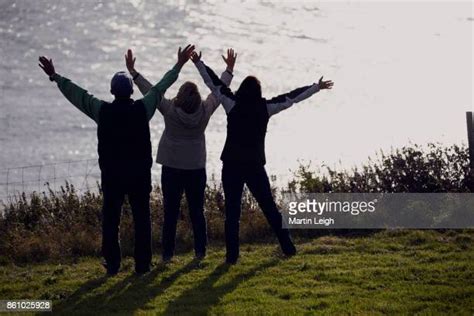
x: 221, y: 92
x: 142, y: 83
x: 211, y: 102
x: 230, y: 63
x: 154, y: 96
x: 79, y: 97
x: 284, y: 101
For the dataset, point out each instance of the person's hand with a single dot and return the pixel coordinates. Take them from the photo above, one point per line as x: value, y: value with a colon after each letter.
x: 230, y: 60
x: 130, y: 62
x: 47, y: 65
x: 185, y: 54
x: 195, y: 57
x: 325, y: 84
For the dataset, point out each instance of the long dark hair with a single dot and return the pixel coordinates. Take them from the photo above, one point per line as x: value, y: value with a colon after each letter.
x: 250, y: 90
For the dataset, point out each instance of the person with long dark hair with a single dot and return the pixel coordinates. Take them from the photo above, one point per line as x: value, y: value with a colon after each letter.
x: 182, y: 153
x: 243, y: 155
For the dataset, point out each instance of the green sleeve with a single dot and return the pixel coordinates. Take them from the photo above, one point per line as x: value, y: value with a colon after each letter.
x: 79, y: 97
x: 155, y: 94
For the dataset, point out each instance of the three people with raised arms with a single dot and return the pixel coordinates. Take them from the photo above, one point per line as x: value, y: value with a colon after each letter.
x: 125, y: 157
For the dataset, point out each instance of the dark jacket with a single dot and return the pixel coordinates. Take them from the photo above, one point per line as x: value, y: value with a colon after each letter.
x: 124, y: 137
x: 247, y: 120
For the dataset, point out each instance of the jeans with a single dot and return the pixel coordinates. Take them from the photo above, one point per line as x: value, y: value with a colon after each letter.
x: 137, y: 185
x: 193, y: 183
x: 234, y: 176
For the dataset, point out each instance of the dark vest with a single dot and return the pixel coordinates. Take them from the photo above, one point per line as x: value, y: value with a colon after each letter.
x: 246, y: 130
x: 124, y: 137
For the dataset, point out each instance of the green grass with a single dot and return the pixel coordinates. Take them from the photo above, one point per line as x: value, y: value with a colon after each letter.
x: 392, y: 272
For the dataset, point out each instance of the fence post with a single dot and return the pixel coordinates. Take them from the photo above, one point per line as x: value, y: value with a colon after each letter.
x: 470, y: 139
x: 8, y: 178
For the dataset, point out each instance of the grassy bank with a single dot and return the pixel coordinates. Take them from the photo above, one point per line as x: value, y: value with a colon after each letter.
x: 391, y: 272
x: 45, y: 226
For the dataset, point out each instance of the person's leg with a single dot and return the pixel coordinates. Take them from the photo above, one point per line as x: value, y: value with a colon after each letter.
x: 172, y: 187
x: 139, y: 198
x: 233, y: 184
x: 113, y: 196
x: 195, y: 185
x: 259, y: 185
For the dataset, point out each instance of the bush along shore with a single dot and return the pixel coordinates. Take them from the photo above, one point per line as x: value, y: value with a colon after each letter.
x: 66, y: 225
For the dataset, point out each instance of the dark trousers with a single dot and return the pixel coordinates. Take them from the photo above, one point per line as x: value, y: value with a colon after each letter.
x: 233, y: 179
x: 137, y: 186
x: 193, y: 183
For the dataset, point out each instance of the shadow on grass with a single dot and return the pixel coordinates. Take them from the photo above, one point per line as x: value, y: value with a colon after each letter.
x: 126, y: 295
x: 201, y: 298
x: 73, y: 301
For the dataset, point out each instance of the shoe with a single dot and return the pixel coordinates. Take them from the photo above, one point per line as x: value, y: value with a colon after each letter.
x: 231, y: 260
x: 167, y: 259
x: 200, y: 256
x: 289, y: 250
x: 111, y: 270
x: 142, y: 270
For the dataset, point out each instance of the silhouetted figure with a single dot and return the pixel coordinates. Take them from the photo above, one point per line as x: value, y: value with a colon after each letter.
x: 124, y: 155
x: 244, y: 150
x: 182, y: 154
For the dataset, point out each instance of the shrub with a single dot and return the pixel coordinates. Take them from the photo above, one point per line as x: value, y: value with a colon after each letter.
x: 415, y: 168
x: 65, y: 224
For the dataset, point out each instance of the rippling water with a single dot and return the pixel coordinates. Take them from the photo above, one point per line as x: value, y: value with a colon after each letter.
x: 402, y: 71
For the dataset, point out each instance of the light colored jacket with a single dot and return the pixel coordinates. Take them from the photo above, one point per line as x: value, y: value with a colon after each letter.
x: 183, y: 142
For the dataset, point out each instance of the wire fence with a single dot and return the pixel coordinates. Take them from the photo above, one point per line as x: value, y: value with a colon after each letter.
x: 83, y: 174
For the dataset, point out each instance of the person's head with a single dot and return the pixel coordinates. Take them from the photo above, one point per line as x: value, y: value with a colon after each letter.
x: 188, y: 97
x: 249, y: 90
x: 121, y: 85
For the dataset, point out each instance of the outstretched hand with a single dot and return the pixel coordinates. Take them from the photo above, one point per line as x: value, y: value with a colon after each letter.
x: 230, y: 60
x: 195, y: 57
x: 184, y: 55
x: 47, y: 65
x: 325, y: 84
x: 130, y: 61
